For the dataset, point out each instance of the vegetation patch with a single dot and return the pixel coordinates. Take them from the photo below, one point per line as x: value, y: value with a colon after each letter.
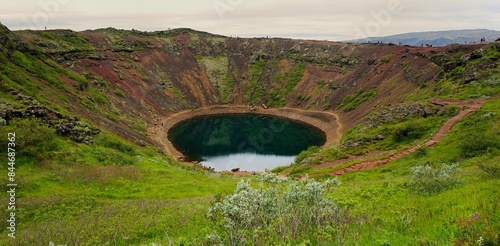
x: 254, y: 90
x: 386, y: 59
x: 280, y: 92
x: 427, y: 180
x: 37, y: 68
x: 473, y: 76
x: 217, y: 69
x: 294, y: 78
x: 351, y: 102
x: 279, y: 210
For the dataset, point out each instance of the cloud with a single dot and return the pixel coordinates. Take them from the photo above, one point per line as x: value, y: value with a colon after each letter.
x: 321, y: 19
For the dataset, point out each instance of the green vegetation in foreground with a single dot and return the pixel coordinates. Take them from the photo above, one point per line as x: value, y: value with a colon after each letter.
x: 108, y: 192
x: 392, y: 208
x: 115, y: 193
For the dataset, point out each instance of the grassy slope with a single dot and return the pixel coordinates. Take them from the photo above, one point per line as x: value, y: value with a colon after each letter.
x: 119, y: 193
x: 392, y: 214
x: 66, y: 193
x: 388, y: 212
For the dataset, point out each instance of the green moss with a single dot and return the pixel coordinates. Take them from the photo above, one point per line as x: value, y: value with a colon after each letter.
x: 179, y: 95
x: 119, y: 93
x: 217, y: 69
x: 72, y: 75
x: 254, y: 90
x: 97, y: 96
x: 294, y: 78
x: 67, y: 40
x: 352, y: 101
x: 227, y: 87
x: 283, y: 85
x: 39, y: 69
x: 348, y: 99
x: 386, y: 59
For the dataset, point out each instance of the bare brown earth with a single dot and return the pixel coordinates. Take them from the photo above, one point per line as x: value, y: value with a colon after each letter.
x: 323, y: 120
x: 466, y: 107
x: 138, y: 82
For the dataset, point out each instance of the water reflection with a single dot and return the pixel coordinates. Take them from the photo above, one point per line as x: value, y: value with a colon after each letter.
x: 247, y: 162
x: 226, y: 141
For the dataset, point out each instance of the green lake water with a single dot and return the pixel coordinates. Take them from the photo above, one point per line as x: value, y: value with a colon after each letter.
x: 248, y: 142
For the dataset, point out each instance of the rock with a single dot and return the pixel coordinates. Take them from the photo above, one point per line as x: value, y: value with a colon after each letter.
x: 476, y: 54
x: 360, y: 142
x: 307, y: 160
x: 470, y: 73
x: 76, y: 130
x: 469, y: 76
x: 451, y: 65
x: 399, y: 113
x: 65, y: 126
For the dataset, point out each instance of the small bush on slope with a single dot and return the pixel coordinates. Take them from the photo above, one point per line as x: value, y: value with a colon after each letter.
x: 279, y: 210
x: 32, y: 138
x: 427, y: 180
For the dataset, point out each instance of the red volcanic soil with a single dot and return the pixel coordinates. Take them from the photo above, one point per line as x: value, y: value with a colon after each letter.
x: 150, y: 77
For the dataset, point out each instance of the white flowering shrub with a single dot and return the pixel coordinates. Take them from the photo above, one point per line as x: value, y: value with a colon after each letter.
x: 279, y: 210
x: 427, y: 180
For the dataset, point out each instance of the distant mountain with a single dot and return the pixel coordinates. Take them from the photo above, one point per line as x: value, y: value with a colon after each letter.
x: 438, y: 38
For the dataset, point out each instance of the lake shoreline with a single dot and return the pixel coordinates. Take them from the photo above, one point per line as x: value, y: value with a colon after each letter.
x: 326, y: 121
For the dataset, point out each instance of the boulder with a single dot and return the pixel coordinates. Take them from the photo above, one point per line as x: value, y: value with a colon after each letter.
x: 64, y: 125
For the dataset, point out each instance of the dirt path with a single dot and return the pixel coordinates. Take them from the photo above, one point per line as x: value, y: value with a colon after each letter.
x: 466, y: 107
x: 326, y: 121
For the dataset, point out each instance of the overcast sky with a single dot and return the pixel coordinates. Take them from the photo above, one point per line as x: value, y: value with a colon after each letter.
x: 312, y: 19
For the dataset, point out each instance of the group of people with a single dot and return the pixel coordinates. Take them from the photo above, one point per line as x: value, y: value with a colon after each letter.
x: 482, y: 41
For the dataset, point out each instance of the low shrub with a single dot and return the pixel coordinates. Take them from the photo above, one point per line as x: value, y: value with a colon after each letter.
x: 477, y: 143
x: 451, y: 110
x: 32, y: 138
x: 408, y: 130
x: 427, y: 180
x: 278, y: 211
x: 421, y: 152
x: 491, y: 167
x: 306, y: 153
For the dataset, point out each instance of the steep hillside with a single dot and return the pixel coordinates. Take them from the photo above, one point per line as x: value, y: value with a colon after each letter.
x: 83, y: 118
x: 128, y: 81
